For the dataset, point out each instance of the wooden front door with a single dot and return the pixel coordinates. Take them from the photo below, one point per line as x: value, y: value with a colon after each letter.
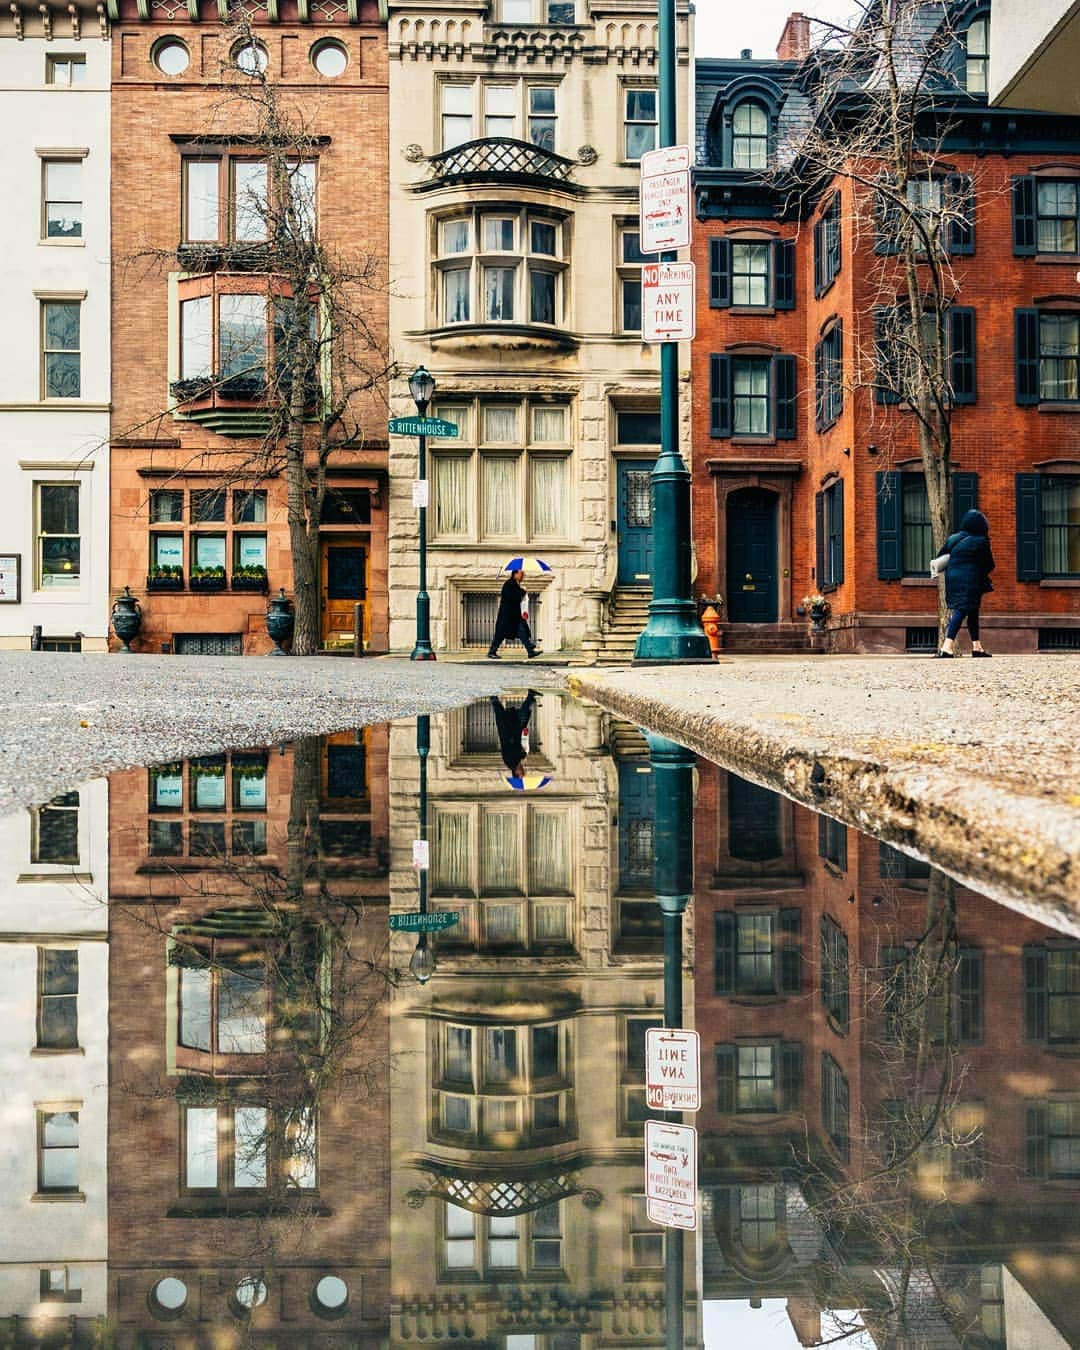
x: 344, y: 585
x: 751, y: 556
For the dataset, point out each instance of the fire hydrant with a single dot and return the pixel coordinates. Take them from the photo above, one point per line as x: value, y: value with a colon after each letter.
x: 710, y: 621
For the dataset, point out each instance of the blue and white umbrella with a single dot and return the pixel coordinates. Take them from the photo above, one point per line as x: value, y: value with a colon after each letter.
x: 528, y: 782
x: 532, y: 567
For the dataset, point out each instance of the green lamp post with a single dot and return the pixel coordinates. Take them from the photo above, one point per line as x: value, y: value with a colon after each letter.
x: 422, y: 387
x: 422, y: 961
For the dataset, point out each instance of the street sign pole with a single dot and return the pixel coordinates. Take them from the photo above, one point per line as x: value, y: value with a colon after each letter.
x: 422, y: 651
x: 673, y: 632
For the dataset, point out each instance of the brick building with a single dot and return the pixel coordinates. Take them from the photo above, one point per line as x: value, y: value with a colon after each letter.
x: 198, y: 485
x: 807, y: 474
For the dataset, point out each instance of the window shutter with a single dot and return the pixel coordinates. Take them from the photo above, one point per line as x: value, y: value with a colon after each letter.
x: 719, y: 273
x: 725, y: 1079
x: 965, y: 488
x: 819, y: 257
x: 790, y: 1075
x: 724, y: 952
x: 1025, y: 234
x: 838, y: 565
x: 719, y: 395
x: 1027, y: 356
x: 784, y: 397
x: 790, y: 951
x: 819, y: 518
x: 962, y: 353
x: 1028, y: 527
x: 887, y: 217
x: 962, y: 223
x: 885, y: 389
x: 1035, y: 996
x: 819, y: 386
x: 783, y: 260
x: 969, y: 1002
x: 889, y: 566
x: 1036, y: 1131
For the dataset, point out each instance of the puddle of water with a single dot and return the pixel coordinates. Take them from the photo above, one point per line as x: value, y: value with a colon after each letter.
x: 240, y: 1110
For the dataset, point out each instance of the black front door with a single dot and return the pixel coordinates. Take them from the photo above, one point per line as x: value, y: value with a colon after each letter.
x: 751, y: 556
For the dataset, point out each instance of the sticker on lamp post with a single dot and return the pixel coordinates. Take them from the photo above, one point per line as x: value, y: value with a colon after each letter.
x: 421, y: 854
x: 672, y: 1069
x: 667, y: 302
x: 421, y: 492
x: 665, y: 199
x: 671, y: 1174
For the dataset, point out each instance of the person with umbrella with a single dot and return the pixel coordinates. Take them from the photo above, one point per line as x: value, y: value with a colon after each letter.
x: 512, y: 621
x: 513, y: 727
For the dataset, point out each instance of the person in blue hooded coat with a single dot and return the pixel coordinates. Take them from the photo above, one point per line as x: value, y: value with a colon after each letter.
x: 967, y: 579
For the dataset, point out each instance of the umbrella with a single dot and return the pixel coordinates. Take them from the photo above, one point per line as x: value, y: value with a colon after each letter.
x: 528, y: 782
x: 532, y: 567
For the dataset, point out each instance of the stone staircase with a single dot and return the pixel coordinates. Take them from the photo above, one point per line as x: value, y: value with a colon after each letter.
x: 784, y: 639
x: 628, y: 614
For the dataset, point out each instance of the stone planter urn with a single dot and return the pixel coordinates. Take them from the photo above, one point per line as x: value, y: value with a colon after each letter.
x: 280, y: 621
x: 126, y: 619
x: 818, y: 615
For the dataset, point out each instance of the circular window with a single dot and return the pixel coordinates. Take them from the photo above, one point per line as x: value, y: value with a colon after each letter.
x: 330, y: 1296
x: 250, y: 58
x: 171, y: 56
x: 168, y: 1297
x: 329, y: 58
x: 251, y: 1292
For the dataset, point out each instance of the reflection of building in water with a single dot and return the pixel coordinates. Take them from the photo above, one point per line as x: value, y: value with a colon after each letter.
x: 53, y: 1063
x: 248, y: 1047
x: 891, y: 1108
x: 518, y: 1215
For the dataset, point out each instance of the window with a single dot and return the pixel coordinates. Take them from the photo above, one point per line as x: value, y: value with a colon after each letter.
x: 977, y: 56
x: 250, y: 58
x: 749, y: 136
x: 1044, y: 214
x: 58, y: 1152
x: 897, y: 866
x: 61, y: 349
x: 517, y: 110
x: 829, y: 377
x: 59, y: 543
x: 628, y: 273
x: 943, y: 1000
x: 171, y: 56
x: 228, y: 199
x: 1053, y: 1140
x: 247, y: 1148
x: 502, y: 1086
x: 329, y: 58
x: 62, y: 215
x: 835, y: 1105
x: 752, y: 273
x: 223, y: 1010
x: 939, y: 212
x: 58, y: 998
x: 835, y: 994
x: 756, y: 1217
x: 829, y: 505
x: 904, y: 531
x: 913, y: 360
x: 65, y: 69
x: 757, y: 952
x: 1052, y: 994
x: 541, y: 123
x: 506, y: 476
x: 752, y: 396
x: 634, y: 1111
x: 214, y: 784
x: 827, y: 246
x: 537, y: 11
x: 54, y: 835
x: 1059, y: 350
x: 758, y: 1078
x: 457, y: 114
x: 61, y: 1284
x: 166, y: 506
x: 500, y: 267
x: 832, y: 842
x: 498, y: 1244
x: 639, y: 122
x: 946, y: 1141
x: 646, y: 1239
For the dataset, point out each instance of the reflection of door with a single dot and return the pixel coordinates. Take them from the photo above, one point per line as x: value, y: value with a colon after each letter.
x: 751, y: 556
x: 634, y: 487
x: 344, y: 584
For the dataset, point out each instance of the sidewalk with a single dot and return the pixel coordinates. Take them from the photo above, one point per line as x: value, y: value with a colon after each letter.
x: 975, y: 765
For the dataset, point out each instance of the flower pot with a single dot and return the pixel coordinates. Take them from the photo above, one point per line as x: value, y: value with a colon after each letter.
x: 280, y: 621
x: 126, y: 618
x: 258, y: 585
x: 164, y: 583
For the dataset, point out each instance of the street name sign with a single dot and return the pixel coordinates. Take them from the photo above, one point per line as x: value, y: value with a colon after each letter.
x: 417, y: 922
x: 672, y: 1069
x: 667, y: 302
x: 671, y: 1174
x: 421, y: 426
x: 665, y: 199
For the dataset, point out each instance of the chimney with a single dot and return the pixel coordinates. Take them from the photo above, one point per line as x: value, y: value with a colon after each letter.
x: 794, y: 44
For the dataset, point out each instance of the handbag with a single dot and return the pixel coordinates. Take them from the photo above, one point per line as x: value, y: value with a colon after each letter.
x: 939, y: 564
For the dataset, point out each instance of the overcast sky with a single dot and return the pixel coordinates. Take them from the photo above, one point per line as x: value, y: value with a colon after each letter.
x: 725, y: 27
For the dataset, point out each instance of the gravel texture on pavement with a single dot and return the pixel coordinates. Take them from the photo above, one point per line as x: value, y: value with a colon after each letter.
x: 65, y: 718
x: 974, y: 765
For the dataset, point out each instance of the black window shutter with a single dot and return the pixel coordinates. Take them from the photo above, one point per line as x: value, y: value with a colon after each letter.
x: 885, y: 388
x: 783, y: 260
x: 819, y: 257
x: 1028, y: 527
x: 965, y: 488
x: 725, y: 1079
x: 1027, y: 356
x: 962, y: 221
x: 784, y: 397
x: 724, y: 952
x: 790, y: 1075
x: 887, y: 216
x: 969, y: 1003
x: 819, y: 386
x: 1035, y: 999
x: 1036, y: 1131
x: 962, y: 353
x: 790, y: 951
x: 1025, y: 235
x: 819, y: 520
x: 719, y: 395
x: 719, y: 273
x: 889, y: 564
x: 838, y: 566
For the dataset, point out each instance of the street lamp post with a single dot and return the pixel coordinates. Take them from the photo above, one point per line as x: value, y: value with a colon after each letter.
x: 422, y: 961
x: 422, y: 387
x: 673, y: 632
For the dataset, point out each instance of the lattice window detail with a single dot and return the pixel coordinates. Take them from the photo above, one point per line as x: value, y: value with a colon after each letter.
x: 506, y: 1197
x: 499, y: 155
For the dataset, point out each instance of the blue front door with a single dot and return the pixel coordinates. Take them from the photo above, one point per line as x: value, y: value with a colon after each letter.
x: 751, y: 556
x: 634, y: 486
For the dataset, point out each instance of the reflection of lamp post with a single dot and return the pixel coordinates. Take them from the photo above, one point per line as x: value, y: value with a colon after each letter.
x: 422, y: 961
x: 673, y: 872
x: 422, y: 387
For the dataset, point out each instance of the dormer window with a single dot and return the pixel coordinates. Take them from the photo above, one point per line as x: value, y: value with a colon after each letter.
x: 977, y: 56
x: 749, y: 136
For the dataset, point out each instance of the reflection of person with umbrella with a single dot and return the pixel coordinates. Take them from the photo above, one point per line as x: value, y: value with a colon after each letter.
x: 513, y: 727
x: 512, y: 620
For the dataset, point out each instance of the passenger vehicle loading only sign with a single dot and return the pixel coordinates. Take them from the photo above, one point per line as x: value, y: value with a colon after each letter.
x: 671, y: 1174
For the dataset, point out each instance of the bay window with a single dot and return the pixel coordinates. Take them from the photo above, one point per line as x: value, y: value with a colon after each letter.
x: 500, y: 267
x: 242, y: 337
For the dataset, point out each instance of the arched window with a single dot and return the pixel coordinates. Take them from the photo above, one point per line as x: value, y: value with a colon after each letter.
x: 749, y: 136
x: 977, y: 55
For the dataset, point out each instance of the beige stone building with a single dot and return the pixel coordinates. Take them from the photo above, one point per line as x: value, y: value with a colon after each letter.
x: 516, y: 131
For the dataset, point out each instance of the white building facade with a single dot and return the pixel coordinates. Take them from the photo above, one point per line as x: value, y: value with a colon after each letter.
x: 54, y: 344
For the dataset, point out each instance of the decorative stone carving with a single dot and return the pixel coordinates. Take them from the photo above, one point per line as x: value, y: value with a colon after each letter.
x: 587, y: 155
x: 414, y: 153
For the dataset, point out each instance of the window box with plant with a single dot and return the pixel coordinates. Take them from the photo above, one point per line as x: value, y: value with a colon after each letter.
x: 165, y: 578
x: 250, y: 578
x: 207, y: 579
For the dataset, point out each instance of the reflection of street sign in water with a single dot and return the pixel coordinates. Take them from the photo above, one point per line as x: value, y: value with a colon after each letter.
x: 417, y: 922
x: 671, y: 1174
x: 672, y: 1069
